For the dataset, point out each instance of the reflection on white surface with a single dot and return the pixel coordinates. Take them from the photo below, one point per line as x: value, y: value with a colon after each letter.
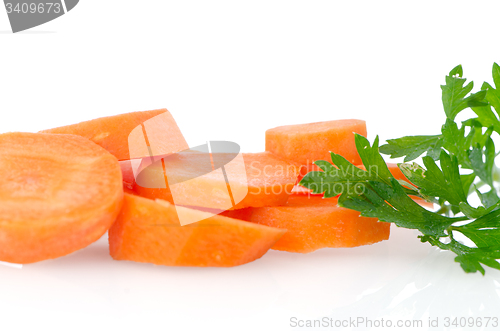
x: 12, y: 265
x: 398, y: 278
x: 431, y: 288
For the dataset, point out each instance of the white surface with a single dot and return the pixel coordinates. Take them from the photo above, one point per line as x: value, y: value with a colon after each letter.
x: 230, y: 70
x: 399, y: 279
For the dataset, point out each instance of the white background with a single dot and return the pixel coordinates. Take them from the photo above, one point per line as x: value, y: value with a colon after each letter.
x: 230, y: 70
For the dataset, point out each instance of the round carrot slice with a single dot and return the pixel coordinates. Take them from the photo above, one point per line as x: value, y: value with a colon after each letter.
x: 58, y: 194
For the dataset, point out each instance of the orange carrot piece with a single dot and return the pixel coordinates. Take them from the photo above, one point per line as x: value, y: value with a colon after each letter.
x: 243, y: 214
x: 306, y: 143
x: 313, y: 223
x: 127, y: 174
x: 269, y: 181
x: 149, y: 231
x: 123, y: 133
x: 58, y: 194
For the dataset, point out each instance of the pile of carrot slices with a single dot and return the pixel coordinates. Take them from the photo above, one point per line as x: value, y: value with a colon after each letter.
x: 134, y: 176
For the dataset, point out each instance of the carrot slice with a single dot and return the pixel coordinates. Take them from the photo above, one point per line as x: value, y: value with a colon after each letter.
x: 306, y: 143
x: 313, y: 223
x: 258, y: 179
x: 243, y: 214
x: 58, y: 193
x: 149, y: 231
x: 128, y: 174
x: 131, y: 135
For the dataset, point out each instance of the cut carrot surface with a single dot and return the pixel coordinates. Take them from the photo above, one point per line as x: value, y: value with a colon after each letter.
x: 308, y: 168
x: 131, y: 135
x: 306, y: 143
x: 149, y: 231
x: 243, y: 214
x: 58, y: 194
x: 127, y: 174
x: 247, y: 180
x: 313, y: 223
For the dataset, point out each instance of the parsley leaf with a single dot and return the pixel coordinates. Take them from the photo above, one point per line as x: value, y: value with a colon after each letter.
x: 456, y: 142
x: 345, y: 177
x: 471, y: 259
x: 483, y: 169
x: 433, y: 181
x: 455, y: 97
x: 378, y: 194
x: 458, y: 162
x: 493, y: 95
x: 488, y: 199
x: 484, y: 231
x: 389, y: 203
x: 411, y: 147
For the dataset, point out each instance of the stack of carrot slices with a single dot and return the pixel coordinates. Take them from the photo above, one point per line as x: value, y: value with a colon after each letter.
x: 134, y: 175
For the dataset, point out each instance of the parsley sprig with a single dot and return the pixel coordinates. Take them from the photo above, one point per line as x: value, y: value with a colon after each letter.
x: 457, y: 164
